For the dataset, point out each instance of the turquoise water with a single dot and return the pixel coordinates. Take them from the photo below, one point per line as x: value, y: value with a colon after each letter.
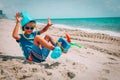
x: 95, y: 24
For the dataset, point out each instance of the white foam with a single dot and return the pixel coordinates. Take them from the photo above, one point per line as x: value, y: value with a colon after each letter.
x: 65, y: 26
x: 40, y: 24
x: 86, y: 29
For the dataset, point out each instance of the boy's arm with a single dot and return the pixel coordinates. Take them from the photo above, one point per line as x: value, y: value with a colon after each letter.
x: 46, y: 27
x: 16, y: 29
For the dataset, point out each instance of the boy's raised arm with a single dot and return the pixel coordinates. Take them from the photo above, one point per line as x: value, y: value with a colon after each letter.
x: 16, y: 29
x: 46, y: 27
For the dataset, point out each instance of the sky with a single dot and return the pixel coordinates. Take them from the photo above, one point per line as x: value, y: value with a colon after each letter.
x: 62, y: 8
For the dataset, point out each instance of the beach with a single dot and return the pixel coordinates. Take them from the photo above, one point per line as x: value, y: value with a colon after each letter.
x: 98, y: 59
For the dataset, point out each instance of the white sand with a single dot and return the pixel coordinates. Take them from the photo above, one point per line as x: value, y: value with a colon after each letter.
x: 98, y: 59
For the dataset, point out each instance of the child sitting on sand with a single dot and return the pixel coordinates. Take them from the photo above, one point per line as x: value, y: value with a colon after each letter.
x: 35, y: 47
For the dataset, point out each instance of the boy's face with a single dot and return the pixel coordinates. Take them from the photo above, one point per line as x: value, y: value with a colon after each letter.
x: 29, y: 28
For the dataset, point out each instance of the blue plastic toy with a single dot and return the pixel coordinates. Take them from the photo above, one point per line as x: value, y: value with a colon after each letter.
x: 65, y: 45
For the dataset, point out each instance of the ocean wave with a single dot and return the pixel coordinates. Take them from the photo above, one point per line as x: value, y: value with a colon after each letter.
x: 88, y: 30
x: 111, y: 33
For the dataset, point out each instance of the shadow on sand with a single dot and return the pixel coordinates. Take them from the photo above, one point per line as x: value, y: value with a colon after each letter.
x: 8, y: 57
x: 46, y: 65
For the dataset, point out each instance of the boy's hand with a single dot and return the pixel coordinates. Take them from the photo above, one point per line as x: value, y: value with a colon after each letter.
x: 18, y: 17
x: 49, y: 22
x: 46, y: 27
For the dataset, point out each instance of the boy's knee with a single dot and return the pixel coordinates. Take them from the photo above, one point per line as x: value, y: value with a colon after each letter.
x: 47, y: 36
x: 37, y: 37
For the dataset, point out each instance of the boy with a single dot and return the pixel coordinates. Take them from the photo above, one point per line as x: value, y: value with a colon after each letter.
x: 34, y: 47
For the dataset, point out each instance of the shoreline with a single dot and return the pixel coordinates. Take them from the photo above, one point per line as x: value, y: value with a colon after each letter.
x: 82, y: 33
x: 108, y: 32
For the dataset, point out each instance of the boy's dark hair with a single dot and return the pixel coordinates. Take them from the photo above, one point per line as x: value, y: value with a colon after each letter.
x: 23, y: 28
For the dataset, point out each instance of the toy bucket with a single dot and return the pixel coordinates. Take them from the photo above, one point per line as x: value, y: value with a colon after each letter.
x: 65, y: 45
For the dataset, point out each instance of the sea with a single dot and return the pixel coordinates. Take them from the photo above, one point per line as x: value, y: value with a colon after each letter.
x: 106, y: 25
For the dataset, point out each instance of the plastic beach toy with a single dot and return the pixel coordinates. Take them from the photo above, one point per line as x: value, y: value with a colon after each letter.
x: 56, y: 53
x: 65, y: 45
x: 72, y: 43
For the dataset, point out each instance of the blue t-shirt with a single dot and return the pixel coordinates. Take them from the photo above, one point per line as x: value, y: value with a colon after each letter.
x: 27, y: 44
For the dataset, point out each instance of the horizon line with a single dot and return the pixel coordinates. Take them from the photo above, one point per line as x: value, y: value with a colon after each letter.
x: 69, y: 18
x: 76, y: 17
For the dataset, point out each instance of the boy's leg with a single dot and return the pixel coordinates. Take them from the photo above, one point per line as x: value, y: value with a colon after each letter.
x: 49, y: 39
x: 40, y: 41
x: 45, y: 42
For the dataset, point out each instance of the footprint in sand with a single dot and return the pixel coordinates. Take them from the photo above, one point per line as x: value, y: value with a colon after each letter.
x: 48, y: 73
x: 34, y: 69
x: 1, y: 71
x: 106, y: 71
x: 5, y: 75
x: 112, y: 58
x: 108, y: 63
x: 102, y: 78
x: 24, y: 76
x: 47, y: 66
x: 81, y: 68
x: 71, y: 75
x: 90, y: 53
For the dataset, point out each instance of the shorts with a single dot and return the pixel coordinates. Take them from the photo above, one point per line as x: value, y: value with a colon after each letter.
x: 39, y: 54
